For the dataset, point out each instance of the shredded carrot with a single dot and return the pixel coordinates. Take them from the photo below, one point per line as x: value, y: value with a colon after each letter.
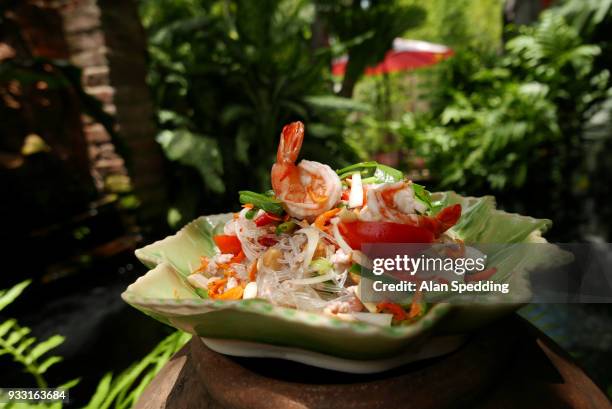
x: 315, y: 198
x: 253, y: 270
x: 203, y: 264
x: 215, y: 286
x: 415, y: 306
x: 234, y: 293
x: 236, y: 216
x: 248, y: 205
x: 323, y: 218
x: 228, y: 272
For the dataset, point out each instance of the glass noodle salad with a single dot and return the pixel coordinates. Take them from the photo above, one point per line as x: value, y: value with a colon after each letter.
x: 299, y: 245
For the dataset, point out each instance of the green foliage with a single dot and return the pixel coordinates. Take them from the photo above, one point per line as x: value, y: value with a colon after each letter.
x: 200, y: 152
x: 487, y: 141
x: 587, y: 16
x: 498, y: 121
x: 118, y: 392
x: 24, y: 349
x: 461, y: 24
x: 226, y: 76
x: 122, y: 391
x: 375, y: 24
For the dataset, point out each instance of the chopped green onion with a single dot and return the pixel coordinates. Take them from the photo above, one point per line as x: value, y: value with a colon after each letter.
x: 372, y: 172
x: 436, y: 207
x: 266, y: 203
x: 286, y: 227
x: 321, y: 265
x: 422, y: 195
x: 251, y: 213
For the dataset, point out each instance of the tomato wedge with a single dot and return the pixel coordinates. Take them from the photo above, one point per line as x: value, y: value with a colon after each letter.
x: 426, y: 230
x: 228, y: 244
x: 357, y: 233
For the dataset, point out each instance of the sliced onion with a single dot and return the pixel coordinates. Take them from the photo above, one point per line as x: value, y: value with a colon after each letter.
x: 311, y: 246
x: 312, y: 280
x: 356, y: 195
x: 251, y: 249
x: 198, y: 281
x: 340, y: 240
x: 250, y: 291
x: 360, y: 258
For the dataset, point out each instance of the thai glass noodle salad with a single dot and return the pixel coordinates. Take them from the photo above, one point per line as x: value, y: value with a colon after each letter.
x: 299, y: 245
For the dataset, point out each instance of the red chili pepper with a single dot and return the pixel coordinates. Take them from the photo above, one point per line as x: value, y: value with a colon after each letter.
x: 441, y: 222
x: 228, y: 244
x: 399, y: 314
x: 267, y: 218
x: 345, y: 194
x: 267, y: 241
x: 448, y: 217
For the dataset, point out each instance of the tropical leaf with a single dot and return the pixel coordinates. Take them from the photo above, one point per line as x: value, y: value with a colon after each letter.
x: 336, y: 102
x: 195, y: 150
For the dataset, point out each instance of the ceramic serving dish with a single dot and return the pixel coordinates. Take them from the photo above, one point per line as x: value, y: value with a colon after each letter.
x: 257, y: 328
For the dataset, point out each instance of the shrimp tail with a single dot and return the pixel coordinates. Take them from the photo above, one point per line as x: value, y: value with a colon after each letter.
x: 290, y: 144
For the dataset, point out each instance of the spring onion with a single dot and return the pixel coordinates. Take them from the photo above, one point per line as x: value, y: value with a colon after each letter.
x: 266, y: 203
x: 321, y: 265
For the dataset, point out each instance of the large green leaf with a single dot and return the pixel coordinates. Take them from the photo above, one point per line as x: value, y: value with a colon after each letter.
x: 197, y: 151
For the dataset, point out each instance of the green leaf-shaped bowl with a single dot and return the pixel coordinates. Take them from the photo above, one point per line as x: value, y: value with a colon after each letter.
x: 164, y: 294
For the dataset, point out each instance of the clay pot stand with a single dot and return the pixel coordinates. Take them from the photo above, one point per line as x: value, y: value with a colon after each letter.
x: 507, y: 365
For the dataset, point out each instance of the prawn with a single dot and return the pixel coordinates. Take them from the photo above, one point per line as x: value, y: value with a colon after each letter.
x: 307, y: 189
x: 396, y: 202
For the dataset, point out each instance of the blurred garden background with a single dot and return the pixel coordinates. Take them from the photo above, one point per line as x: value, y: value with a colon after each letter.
x: 120, y: 121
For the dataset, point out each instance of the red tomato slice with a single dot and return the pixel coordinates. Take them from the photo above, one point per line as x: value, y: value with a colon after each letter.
x: 228, y: 244
x: 358, y: 232
x: 426, y: 230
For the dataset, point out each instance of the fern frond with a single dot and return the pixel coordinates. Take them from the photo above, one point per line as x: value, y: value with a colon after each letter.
x: 16, y: 342
x: 8, y: 296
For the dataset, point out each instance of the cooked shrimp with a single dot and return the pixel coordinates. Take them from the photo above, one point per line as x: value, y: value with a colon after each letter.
x: 397, y: 202
x: 307, y: 189
x: 393, y: 202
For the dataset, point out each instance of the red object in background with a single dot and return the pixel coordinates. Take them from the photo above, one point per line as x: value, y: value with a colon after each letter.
x: 405, y: 55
